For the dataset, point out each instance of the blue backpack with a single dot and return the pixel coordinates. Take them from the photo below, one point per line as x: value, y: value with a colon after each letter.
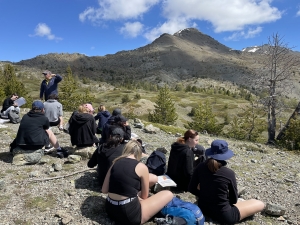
x: 187, y: 210
x: 156, y: 163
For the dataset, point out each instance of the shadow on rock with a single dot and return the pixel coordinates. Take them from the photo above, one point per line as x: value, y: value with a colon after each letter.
x: 6, y: 157
x: 89, y: 181
x: 94, y: 208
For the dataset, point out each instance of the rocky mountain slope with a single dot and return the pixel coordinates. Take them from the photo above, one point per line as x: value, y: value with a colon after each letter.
x: 170, y: 58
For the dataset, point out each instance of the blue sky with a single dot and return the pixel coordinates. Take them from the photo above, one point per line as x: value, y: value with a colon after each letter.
x: 96, y: 28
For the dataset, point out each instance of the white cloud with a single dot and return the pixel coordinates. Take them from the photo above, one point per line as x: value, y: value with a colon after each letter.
x: 224, y: 15
x: 132, y: 29
x: 250, y: 33
x: 42, y: 30
x: 117, y: 9
x: 298, y: 13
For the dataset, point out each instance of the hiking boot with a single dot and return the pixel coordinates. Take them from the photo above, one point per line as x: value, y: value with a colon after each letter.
x: 62, y: 153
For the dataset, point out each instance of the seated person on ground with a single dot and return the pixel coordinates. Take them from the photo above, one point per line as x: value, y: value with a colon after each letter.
x: 215, y: 186
x: 180, y: 164
x: 105, y: 129
x: 83, y: 127
x: 107, y: 152
x: 34, y: 133
x: 54, y: 111
x: 9, y: 104
x: 103, y: 115
x: 121, y: 122
x: 127, y: 184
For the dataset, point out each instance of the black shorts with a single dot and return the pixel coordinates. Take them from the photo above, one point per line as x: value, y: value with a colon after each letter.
x: 128, y: 214
x: 231, y: 216
x: 52, y: 124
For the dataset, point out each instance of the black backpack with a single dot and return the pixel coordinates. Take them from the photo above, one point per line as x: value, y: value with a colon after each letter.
x: 156, y: 163
x: 14, y: 116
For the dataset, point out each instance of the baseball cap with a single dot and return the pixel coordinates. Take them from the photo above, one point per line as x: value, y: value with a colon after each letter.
x: 37, y: 105
x: 89, y: 107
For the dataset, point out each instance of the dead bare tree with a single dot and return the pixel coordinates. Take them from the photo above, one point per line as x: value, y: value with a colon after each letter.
x: 276, y: 78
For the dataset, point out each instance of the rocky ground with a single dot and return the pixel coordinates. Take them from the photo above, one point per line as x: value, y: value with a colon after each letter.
x: 66, y: 194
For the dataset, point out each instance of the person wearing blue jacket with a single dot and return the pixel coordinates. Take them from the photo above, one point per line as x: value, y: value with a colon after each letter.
x: 49, y: 84
x: 103, y: 115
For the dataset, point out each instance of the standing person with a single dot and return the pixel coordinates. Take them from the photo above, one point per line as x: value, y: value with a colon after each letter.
x: 54, y: 111
x: 34, y: 133
x: 127, y: 185
x: 83, y: 127
x: 49, y: 84
x: 215, y: 186
x: 9, y: 104
x: 180, y: 164
x: 103, y: 115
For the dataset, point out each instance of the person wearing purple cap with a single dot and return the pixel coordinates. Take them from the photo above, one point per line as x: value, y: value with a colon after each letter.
x: 215, y: 186
x: 49, y: 84
x: 34, y: 133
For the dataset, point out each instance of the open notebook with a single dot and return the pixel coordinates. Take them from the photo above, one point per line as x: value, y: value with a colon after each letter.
x: 20, y: 101
x: 166, y: 181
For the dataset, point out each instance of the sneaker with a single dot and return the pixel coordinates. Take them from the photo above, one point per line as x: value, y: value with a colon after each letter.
x: 62, y: 153
x: 48, y: 148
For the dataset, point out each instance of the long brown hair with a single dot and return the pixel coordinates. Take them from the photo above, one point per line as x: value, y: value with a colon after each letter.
x: 213, y: 165
x: 188, y: 134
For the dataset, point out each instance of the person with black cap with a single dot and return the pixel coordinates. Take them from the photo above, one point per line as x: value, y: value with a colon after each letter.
x: 34, y: 133
x: 49, y: 84
x: 215, y: 186
x: 122, y: 122
x: 106, y: 127
x: 106, y: 153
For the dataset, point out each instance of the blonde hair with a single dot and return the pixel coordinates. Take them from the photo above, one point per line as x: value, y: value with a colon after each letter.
x: 101, y: 108
x: 132, y: 147
x: 83, y: 109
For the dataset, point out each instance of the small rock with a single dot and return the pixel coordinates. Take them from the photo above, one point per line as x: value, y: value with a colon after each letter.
x: 74, y: 158
x: 34, y: 174
x: 57, y: 166
x: 280, y: 218
x: 274, y: 210
x: 2, y: 184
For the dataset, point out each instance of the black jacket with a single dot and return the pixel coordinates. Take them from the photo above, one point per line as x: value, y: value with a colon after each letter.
x: 106, y: 129
x: 32, y: 129
x: 180, y: 165
x: 103, y: 157
x: 82, y: 129
x: 218, y: 191
x: 6, y: 104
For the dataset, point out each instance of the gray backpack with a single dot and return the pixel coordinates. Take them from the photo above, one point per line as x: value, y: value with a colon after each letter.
x: 14, y: 116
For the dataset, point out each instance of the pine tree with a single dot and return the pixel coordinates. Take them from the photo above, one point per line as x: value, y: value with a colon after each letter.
x: 68, y: 97
x: 10, y: 84
x: 165, y: 112
x: 205, y: 119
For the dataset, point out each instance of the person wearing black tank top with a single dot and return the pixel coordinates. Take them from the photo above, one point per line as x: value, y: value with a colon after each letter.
x: 127, y: 184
